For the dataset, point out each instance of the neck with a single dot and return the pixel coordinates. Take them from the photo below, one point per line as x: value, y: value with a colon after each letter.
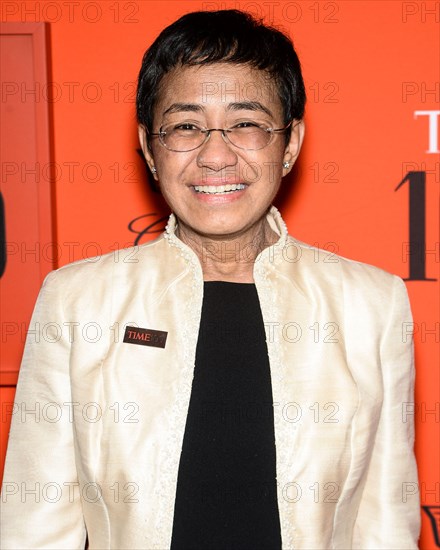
x: 229, y: 258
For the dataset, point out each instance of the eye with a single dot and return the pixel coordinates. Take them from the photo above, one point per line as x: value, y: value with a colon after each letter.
x: 185, y: 126
x: 246, y: 124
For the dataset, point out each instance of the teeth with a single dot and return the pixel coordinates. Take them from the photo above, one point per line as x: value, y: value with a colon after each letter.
x: 216, y: 189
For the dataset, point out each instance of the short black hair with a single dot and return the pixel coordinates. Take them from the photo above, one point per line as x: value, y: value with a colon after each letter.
x: 225, y: 36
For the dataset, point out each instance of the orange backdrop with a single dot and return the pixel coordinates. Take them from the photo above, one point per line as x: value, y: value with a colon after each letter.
x: 372, y: 75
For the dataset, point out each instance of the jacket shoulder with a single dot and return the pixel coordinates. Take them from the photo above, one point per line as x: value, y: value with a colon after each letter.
x: 353, y: 275
x: 96, y: 277
x: 107, y: 262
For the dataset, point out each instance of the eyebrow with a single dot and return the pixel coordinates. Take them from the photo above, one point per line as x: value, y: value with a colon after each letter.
x: 249, y: 106
x: 182, y: 107
x: 237, y: 106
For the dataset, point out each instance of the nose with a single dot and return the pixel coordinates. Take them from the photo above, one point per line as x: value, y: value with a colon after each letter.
x: 216, y: 153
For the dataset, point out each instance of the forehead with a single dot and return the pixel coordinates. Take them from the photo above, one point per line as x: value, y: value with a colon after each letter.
x: 218, y: 85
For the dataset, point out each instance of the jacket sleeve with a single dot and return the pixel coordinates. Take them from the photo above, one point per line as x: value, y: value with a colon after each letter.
x: 389, y: 512
x: 40, y: 504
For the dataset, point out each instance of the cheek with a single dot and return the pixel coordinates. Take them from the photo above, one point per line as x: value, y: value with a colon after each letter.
x: 267, y: 169
x: 159, y: 154
x: 171, y: 165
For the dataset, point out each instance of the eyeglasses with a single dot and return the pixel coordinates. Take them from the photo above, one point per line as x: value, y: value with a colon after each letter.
x: 186, y: 136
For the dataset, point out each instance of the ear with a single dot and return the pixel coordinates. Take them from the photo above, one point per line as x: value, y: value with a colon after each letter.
x: 294, y: 146
x: 148, y: 154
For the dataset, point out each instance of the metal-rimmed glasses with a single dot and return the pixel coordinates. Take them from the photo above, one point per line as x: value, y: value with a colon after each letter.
x: 187, y: 136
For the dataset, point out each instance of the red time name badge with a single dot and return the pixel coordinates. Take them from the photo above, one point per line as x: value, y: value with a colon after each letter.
x: 145, y: 337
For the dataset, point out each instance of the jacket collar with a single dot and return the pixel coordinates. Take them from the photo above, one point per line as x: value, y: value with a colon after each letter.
x: 270, y: 253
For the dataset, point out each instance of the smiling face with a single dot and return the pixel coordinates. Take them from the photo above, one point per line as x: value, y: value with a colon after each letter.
x: 219, y: 190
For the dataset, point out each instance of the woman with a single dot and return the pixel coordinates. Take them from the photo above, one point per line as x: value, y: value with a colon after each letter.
x: 241, y: 394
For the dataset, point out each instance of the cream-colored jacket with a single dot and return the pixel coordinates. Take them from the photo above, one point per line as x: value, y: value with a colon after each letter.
x: 98, y: 422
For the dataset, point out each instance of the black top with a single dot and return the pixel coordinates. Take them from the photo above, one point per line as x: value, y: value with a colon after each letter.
x: 226, y: 487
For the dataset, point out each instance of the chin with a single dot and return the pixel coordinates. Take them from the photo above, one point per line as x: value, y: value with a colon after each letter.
x: 221, y: 228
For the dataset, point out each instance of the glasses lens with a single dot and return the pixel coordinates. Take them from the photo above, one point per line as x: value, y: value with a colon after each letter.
x: 187, y: 137
x: 249, y: 136
x: 182, y: 137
